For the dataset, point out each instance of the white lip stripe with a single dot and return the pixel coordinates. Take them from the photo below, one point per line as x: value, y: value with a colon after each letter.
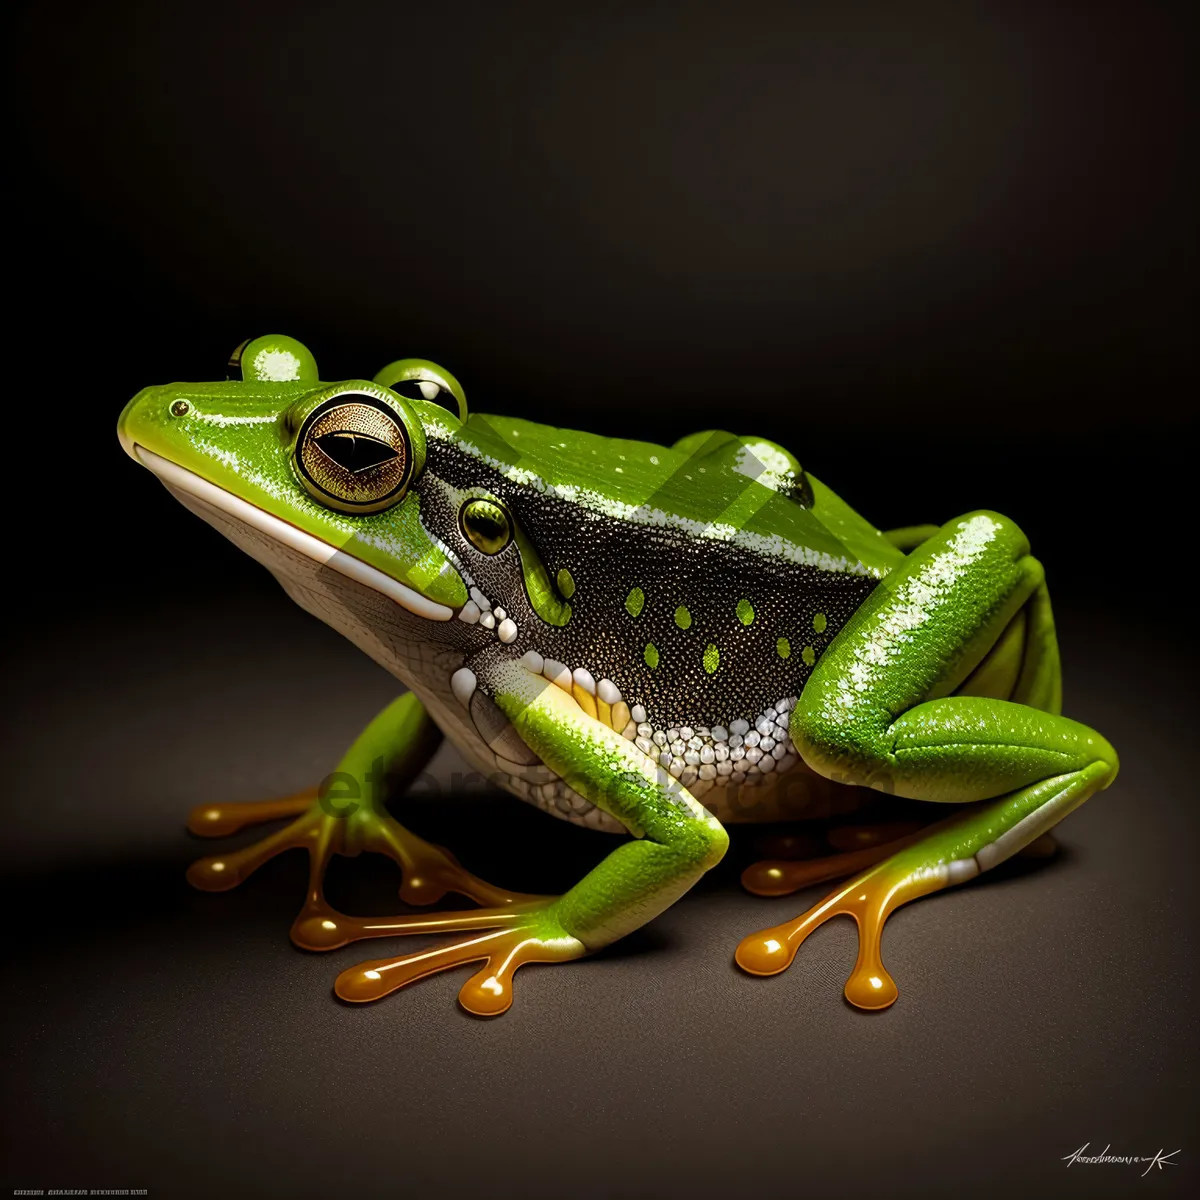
x: 304, y: 543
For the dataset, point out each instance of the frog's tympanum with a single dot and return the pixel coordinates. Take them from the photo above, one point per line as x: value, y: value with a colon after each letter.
x: 641, y: 639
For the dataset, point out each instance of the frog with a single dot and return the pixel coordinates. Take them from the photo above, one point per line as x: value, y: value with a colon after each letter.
x: 650, y: 641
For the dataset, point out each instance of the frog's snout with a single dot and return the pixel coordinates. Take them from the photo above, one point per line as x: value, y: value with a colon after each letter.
x: 128, y: 421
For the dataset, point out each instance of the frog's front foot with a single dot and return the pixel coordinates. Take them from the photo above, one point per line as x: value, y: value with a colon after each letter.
x: 429, y: 871
x: 512, y: 939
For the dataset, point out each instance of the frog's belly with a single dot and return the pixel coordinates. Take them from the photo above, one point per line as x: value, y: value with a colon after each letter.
x: 398, y: 641
x: 792, y: 795
x: 795, y: 794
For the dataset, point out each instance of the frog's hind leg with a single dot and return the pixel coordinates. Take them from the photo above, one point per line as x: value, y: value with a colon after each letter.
x: 909, y: 699
x: 402, y: 739
x: 955, y: 851
x: 861, y: 846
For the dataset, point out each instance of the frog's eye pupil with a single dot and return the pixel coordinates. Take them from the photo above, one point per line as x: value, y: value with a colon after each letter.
x: 356, y: 452
x: 353, y: 454
x: 486, y: 525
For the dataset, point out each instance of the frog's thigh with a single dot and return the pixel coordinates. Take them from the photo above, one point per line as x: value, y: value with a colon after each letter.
x: 879, y: 711
x: 959, y: 605
x: 1023, y: 664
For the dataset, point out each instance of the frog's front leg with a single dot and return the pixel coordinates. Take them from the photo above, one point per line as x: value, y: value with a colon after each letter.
x: 907, y: 700
x: 398, y: 743
x: 676, y: 841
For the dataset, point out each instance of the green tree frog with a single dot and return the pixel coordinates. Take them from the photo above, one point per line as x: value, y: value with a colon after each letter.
x: 646, y: 640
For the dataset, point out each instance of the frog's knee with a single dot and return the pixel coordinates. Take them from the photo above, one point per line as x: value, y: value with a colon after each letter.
x: 840, y: 745
x: 983, y: 532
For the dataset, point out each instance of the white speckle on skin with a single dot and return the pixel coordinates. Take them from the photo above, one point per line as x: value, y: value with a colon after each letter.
x: 558, y: 674
x: 507, y: 632
x: 462, y: 684
x: 276, y: 366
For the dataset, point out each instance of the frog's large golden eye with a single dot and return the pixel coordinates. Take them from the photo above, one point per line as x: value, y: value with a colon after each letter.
x: 487, y: 525
x: 354, y: 454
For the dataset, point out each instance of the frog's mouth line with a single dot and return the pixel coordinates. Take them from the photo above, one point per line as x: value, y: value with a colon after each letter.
x: 175, y: 476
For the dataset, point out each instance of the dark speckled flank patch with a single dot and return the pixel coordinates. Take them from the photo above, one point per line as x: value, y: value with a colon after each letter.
x: 698, y: 632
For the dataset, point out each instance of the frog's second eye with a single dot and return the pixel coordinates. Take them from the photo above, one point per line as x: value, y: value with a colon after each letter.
x: 486, y: 525
x: 354, y: 454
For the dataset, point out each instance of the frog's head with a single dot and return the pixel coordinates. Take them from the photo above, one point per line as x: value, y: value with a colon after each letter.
x: 315, y: 480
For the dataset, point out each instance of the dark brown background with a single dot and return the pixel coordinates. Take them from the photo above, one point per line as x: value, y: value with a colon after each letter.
x: 946, y: 255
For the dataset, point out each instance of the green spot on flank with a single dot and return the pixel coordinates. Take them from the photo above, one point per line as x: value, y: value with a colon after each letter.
x: 712, y: 658
x: 650, y: 654
x: 635, y: 602
x: 784, y: 648
x: 819, y: 622
x: 683, y: 618
x: 809, y: 655
x: 745, y: 612
x: 566, y: 584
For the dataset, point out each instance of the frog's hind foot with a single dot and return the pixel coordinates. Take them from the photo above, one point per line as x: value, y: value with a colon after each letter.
x: 951, y: 852
x: 429, y: 871
x: 509, y: 941
x: 861, y: 846
x: 870, y: 898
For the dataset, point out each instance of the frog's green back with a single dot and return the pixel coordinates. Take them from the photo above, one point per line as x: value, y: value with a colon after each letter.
x: 711, y: 484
